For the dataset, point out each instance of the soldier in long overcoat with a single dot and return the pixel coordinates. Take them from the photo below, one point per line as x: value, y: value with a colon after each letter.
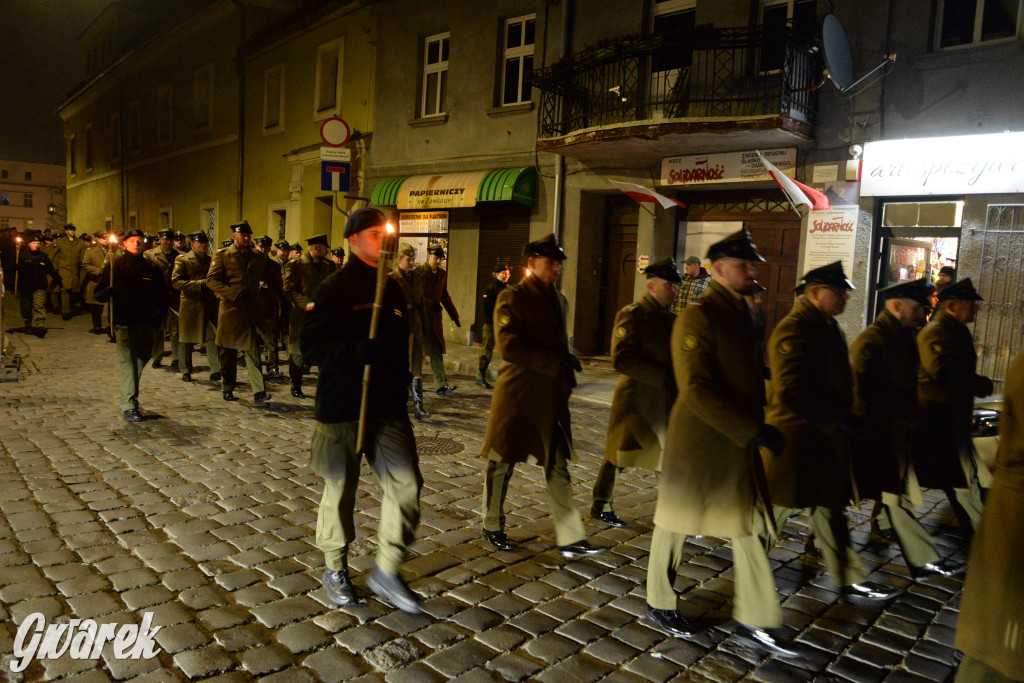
x: 989, y: 629
x: 810, y: 401
x: 163, y: 255
x: 410, y: 279
x: 711, y: 469
x: 529, y: 417
x: 68, y: 262
x: 189, y: 278
x: 270, y: 295
x: 235, y: 275
x: 947, y: 383
x: 645, y: 390
x: 436, y: 298
x: 884, y: 362
x: 93, y: 259
x: 303, y: 278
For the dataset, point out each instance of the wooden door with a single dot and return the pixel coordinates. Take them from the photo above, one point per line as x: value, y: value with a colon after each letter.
x: 619, y: 265
x: 779, y: 242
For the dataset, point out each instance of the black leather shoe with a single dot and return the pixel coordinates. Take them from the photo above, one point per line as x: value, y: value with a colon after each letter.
x: 339, y: 587
x: 260, y: 397
x: 39, y: 331
x: 484, y: 383
x: 229, y: 396
x: 173, y: 367
x: 187, y: 377
x: 158, y: 363
x: 580, y: 549
x: 65, y: 316
x: 945, y: 567
x: 767, y: 639
x: 275, y: 375
x: 214, y: 376
x: 869, y: 590
x: 447, y: 389
x: 297, y: 393
x: 393, y: 589
x: 668, y: 620
x: 133, y: 415
x: 609, y: 518
x: 499, y: 540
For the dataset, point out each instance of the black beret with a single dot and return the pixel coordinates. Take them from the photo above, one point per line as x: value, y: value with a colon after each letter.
x: 947, y: 270
x: 361, y: 219
x: 547, y: 247
x: 242, y: 227
x: 317, y: 239
x: 737, y: 245
x: 665, y: 269
x: 963, y: 290
x: 132, y: 232
x: 831, y: 275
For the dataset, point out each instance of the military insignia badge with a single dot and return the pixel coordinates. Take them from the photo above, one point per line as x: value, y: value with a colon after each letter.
x: 866, y: 353
x: 690, y: 342
x: 785, y: 347
x: 936, y: 347
x: 620, y: 331
x: 502, y: 320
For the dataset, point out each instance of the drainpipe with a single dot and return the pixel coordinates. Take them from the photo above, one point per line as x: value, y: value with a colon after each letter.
x: 558, y: 208
x: 240, y: 69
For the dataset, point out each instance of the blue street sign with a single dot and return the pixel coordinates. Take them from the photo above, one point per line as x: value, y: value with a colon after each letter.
x: 335, y: 176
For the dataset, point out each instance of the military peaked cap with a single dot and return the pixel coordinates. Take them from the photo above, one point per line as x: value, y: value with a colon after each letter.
x: 283, y: 246
x: 242, y: 227
x: 364, y: 218
x: 227, y: 243
x: 295, y: 247
x: 737, y: 245
x: 916, y: 290
x: 70, y: 226
x: 437, y: 250
x: 34, y: 237
x: 339, y: 252
x: 199, y: 237
x: 962, y: 290
x: 406, y: 249
x: 547, y: 247
x: 166, y: 234
x: 317, y: 239
x: 665, y: 269
x: 831, y: 275
x: 264, y: 241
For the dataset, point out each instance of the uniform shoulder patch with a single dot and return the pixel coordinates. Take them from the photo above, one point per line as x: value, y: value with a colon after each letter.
x: 936, y: 347
x: 690, y: 342
x: 785, y: 347
x: 503, y: 320
x: 867, y: 352
x: 620, y: 331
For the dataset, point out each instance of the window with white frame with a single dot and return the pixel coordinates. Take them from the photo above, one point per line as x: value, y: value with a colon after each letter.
x: 273, y: 99
x: 776, y: 15
x: 435, y: 74
x: 965, y: 22
x: 72, y: 161
x: 115, y: 137
x: 202, y: 98
x: 328, y: 79
x: 163, y: 113
x: 88, y: 147
x: 134, y: 127
x: 28, y: 200
x: 518, y: 56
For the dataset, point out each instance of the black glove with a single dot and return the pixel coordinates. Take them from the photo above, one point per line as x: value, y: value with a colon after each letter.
x: 457, y: 323
x: 771, y: 438
x: 571, y: 362
x: 242, y: 297
x: 368, y: 352
x: 985, y: 387
x: 60, y: 282
x: 856, y: 429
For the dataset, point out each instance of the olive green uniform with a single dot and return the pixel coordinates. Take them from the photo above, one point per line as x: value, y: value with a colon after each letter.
x: 435, y: 298
x: 189, y: 278
x: 164, y: 260
x: 68, y: 263
x: 302, y: 278
x: 412, y: 288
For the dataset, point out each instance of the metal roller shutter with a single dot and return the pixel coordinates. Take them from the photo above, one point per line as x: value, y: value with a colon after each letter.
x: 502, y: 238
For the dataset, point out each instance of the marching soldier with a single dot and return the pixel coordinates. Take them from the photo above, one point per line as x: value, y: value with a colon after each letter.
x: 235, y: 276
x: 189, y: 278
x: 810, y: 401
x: 410, y: 280
x: 68, y: 262
x: 138, y: 300
x: 884, y: 361
x: 529, y: 417
x: 163, y: 255
x: 712, y: 482
x: 501, y: 275
x: 53, y: 288
x: 436, y: 296
x: 947, y: 383
x: 272, y: 305
x: 302, y: 279
x: 646, y: 388
x: 281, y: 252
x: 93, y: 259
x: 33, y: 267
x: 988, y: 630
x: 334, y: 337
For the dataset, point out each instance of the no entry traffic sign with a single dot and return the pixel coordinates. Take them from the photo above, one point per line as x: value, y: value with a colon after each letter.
x: 334, y: 131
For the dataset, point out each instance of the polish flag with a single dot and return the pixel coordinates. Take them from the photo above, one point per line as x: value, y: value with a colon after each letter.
x: 796, y: 192
x: 641, y: 194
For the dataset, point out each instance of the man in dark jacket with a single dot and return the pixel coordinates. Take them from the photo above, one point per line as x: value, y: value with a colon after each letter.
x: 138, y: 300
x: 33, y: 267
x: 436, y: 297
x: 335, y: 337
x: 410, y: 280
x: 163, y: 255
x: 490, y: 297
x: 302, y: 279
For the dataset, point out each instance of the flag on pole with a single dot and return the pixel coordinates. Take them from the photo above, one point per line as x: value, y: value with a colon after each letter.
x: 796, y: 192
x: 639, y: 193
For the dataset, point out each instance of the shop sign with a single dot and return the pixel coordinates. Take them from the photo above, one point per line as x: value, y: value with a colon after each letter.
x: 727, y: 167
x: 831, y: 236
x: 966, y: 164
x: 441, y: 191
x: 422, y: 222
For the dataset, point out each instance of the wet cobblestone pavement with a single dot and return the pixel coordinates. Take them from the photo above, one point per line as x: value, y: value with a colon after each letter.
x: 204, y: 514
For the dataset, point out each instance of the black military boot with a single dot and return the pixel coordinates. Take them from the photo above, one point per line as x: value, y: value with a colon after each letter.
x: 417, y: 399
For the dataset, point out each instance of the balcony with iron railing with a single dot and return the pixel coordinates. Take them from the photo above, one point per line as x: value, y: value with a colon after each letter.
x: 704, y: 90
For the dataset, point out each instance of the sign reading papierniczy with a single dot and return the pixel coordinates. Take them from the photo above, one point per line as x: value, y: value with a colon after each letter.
x: 965, y: 164
x: 727, y: 167
x: 441, y: 191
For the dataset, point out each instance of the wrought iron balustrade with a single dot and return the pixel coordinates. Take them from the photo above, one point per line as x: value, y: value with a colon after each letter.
x: 705, y: 74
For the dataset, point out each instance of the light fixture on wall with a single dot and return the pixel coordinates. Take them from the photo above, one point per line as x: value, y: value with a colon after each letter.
x: 51, y: 208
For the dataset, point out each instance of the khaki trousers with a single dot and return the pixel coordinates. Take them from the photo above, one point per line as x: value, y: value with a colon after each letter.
x: 604, y: 486
x: 391, y: 455
x: 433, y: 347
x: 831, y: 537
x: 33, y: 307
x: 212, y: 352
x: 915, y: 542
x: 229, y: 369
x: 134, y: 346
x: 486, y: 351
x: 170, y: 326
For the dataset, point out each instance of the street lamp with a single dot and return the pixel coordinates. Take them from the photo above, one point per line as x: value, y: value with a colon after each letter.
x: 51, y: 208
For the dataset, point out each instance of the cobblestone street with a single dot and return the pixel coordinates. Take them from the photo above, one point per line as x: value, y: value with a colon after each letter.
x: 204, y: 516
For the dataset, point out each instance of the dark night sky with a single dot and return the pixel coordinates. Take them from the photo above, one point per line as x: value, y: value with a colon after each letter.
x: 40, y: 63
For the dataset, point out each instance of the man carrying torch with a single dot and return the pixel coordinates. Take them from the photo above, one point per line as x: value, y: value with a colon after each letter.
x: 337, y: 337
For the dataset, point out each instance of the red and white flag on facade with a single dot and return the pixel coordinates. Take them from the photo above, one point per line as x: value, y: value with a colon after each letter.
x: 797, y: 193
x: 642, y: 194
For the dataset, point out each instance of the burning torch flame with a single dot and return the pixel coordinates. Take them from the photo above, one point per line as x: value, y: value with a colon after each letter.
x: 112, y: 239
x: 390, y: 228
x: 527, y: 272
x: 18, y: 240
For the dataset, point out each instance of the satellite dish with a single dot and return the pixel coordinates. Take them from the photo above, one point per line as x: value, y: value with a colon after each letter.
x: 838, y: 60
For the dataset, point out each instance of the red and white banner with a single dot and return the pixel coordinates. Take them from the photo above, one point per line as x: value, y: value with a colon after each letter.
x: 797, y: 193
x: 640, y: 193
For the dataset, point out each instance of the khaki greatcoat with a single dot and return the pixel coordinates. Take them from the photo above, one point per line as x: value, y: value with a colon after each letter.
x: 531, y: 395
x: 235, y: 278
x: 884, y: 362
x: 302, y: 278
x: 412, y: 289
x: 68, y: 260
x: 189, y: 278
x: 165, y: 261
x: 93, y: 259
x: 710, y: 469
x: 646, y: 388
x: 992, y: 605
x: 810, y: 395
x: 436, y: 297
x: 946, y: 386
